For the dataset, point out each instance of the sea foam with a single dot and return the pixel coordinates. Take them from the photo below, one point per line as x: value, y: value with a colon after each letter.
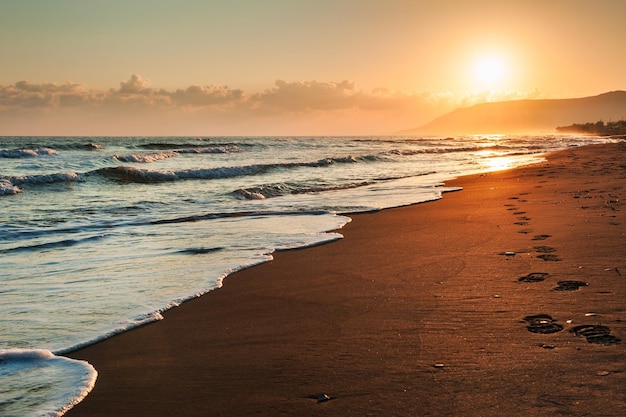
x: 26, y: 153
x: 7, y: 188
x: 54, y: 383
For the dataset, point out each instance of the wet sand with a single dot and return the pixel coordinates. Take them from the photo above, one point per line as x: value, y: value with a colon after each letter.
x: 447, y: 308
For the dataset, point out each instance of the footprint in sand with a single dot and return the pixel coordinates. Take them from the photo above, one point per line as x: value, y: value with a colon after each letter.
x: 544, y: 249
x: 548, y: 257
x: 534, y: 277
x: 541, y: 237
x: 596, y: 334
x: 542, y: 323
x: 569, y: 285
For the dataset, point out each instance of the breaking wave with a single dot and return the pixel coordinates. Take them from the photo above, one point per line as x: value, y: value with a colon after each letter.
x: 26, y: 153
x: 132, y: 174
x: 42, y: 178
x: 145, y: 158
x: 262, y: 192
x: 7, y: 188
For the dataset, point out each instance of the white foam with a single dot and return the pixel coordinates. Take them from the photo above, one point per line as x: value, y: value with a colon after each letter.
x: 32, y: 370
x: 213, y: 149
x: 26, y: 153
x: 7, y: 188
x: 45, y: 178
x: 145, y: 158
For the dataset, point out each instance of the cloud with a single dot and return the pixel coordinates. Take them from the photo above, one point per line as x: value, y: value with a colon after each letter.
x: 292, y: 97
x: 24, y: 94
x: 300, y: 106
x: 302, y: 96
x: 197, y: 96
x: 135, y: 85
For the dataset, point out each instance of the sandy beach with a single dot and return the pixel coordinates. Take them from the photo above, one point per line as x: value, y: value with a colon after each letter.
x: 503, y: 299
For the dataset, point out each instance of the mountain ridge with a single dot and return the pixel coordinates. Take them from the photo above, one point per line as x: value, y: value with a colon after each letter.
x: 526, y: 116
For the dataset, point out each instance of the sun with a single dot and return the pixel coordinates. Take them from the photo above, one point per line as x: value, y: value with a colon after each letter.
x: 489, y: 71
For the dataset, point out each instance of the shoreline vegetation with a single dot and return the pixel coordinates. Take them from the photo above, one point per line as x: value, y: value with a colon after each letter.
x: 599, y: 128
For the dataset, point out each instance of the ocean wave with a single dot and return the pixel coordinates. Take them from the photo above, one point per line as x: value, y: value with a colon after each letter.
x: 53, y: 245
x: 215, y: 216
x: 226, y: 147
x: 8, y: 188
x: 145, y: 158
x: 137, y: 175
x: 42, y: 178
x: 53, y: 384
x: 440, y: 150
x: 131, y: 174
x: 262, y: 192
x: 211, y: 149
x: 199, y: 251
x: 26, y: 153
x: 77, y: 145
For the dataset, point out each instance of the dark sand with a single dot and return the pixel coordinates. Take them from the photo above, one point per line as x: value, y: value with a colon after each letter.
x: 419, y: 311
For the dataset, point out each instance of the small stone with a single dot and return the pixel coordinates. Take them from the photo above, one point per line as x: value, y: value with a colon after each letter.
x: 590, y: 314
x: 323, y: 398
x: 603, y: 373
x: 439, y: 365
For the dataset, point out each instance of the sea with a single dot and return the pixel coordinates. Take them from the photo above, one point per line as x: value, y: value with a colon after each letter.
x: 99, y: 235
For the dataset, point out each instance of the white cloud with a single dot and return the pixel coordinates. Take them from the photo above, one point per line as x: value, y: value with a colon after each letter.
x: 135, y: 85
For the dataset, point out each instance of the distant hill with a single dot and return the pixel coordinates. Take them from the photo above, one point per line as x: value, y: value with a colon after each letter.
x: 525, y: 116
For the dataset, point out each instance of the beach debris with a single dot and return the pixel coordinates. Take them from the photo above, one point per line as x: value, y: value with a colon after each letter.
x: 569, y: 285
x: 596, y: 334
x: 542, y: 323
x: 534, y: 277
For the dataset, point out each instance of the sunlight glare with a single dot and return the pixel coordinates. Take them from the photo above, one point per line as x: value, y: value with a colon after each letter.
x: 489, y: 71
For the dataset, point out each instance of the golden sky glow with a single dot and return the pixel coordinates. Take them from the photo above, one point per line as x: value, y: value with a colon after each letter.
x: 247, y: 67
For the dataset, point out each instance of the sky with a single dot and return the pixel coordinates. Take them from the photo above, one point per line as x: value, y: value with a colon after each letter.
x: 280, y: 67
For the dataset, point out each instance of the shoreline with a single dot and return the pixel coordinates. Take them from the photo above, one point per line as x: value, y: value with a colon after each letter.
x: 417, y: 311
